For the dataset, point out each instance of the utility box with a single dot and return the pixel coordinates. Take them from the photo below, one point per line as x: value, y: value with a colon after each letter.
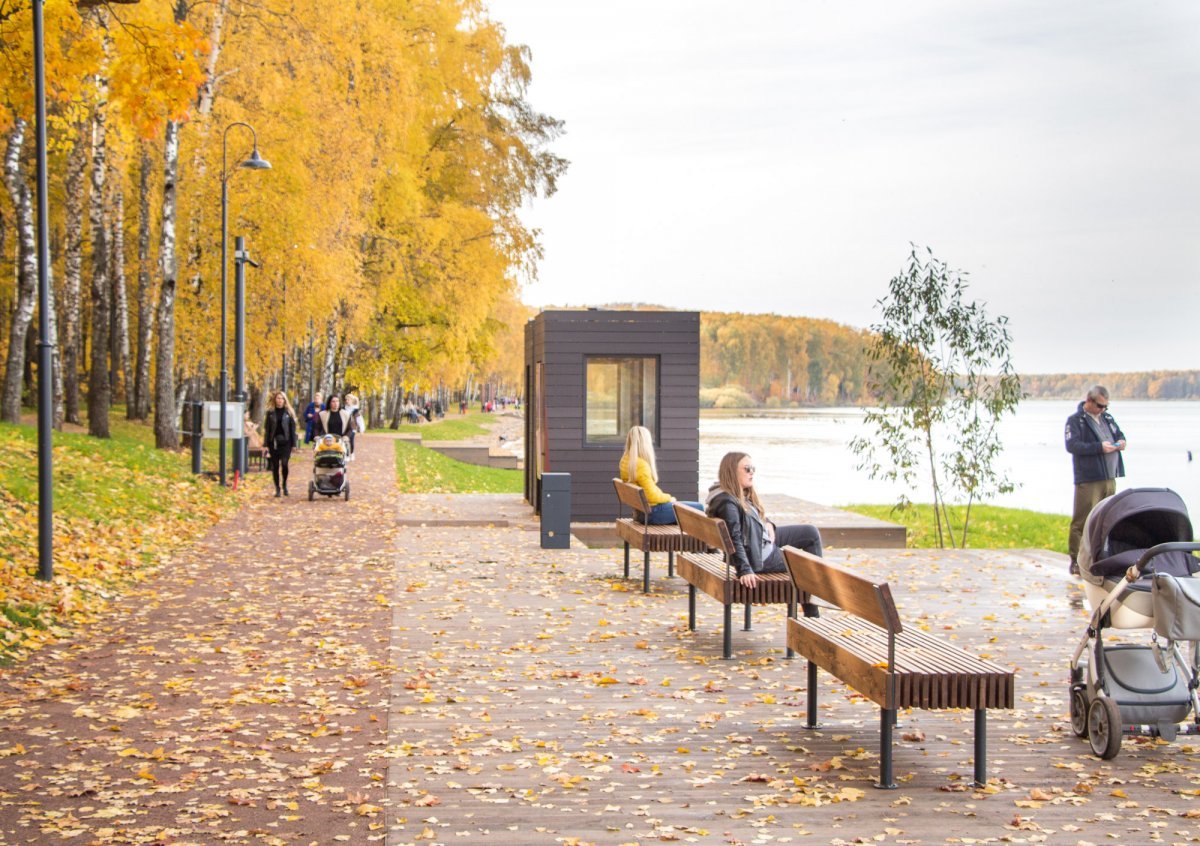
x: 556, y: 510
x: 233, y: 420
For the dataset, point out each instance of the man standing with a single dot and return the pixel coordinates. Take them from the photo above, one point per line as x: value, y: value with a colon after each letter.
x: 1095, y: 442
x: 310, y: 416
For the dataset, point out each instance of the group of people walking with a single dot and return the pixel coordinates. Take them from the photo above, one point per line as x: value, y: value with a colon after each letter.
x: 281, y: 432
x: 758, y: 543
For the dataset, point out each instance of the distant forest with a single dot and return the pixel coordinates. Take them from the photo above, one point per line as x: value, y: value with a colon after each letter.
x: 765, y: 359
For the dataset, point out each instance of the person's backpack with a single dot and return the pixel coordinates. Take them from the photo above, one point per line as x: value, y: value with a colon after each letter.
x: 359, y: 424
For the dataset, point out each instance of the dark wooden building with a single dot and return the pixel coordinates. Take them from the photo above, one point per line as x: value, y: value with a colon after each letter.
x: 589, y: 376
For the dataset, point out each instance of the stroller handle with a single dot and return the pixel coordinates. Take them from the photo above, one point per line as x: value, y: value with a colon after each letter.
x: 1135, y: 572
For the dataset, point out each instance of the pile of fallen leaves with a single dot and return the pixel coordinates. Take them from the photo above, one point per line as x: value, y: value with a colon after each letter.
x: 120, y: 507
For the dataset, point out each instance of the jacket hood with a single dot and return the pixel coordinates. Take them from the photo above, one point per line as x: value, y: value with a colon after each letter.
x: 715, y: 495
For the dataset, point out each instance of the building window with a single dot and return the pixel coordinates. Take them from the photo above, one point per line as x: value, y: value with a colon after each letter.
x: 621, y: 392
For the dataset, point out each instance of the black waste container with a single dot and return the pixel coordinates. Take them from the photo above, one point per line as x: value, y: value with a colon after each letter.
x: 556, y: 510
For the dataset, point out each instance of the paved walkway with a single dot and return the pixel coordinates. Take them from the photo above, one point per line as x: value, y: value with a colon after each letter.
x: 337, y: 672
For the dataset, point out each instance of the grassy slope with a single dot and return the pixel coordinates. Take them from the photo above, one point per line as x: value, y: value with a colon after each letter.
x: 119, y: 505
x: 992, y: 527
x: 421, y: 470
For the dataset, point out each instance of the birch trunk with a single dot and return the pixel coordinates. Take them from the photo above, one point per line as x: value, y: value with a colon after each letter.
x: 166, y: 434
x: 327, y: 369
x: 139, y: 406
x: 73, y: 273
x: 121, y: 376
x: 26, y: 290
x: 204, y: 104
x: 99, y: 390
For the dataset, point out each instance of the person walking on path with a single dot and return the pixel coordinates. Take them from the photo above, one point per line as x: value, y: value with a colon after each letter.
x: 334, y: 420
x: 310, y: 415
x: 756, y: 540
x: 356, y: 420
x: 279, y: 434
x: 1095, y: 442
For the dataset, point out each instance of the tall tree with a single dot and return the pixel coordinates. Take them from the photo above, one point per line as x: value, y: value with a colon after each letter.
x: 139, y: 406
x: 75, y: 194
x: 943, y: 378
x: 99, y: 390
x: 166, y: 434
x: 119, y: 376
x: 22, y: 315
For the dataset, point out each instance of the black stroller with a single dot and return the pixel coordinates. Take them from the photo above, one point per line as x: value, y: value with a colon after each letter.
x: 329, y: 468
x: 1136, y: 564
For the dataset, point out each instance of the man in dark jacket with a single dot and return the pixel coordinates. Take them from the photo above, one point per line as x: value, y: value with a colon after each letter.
x: 1095, y: 442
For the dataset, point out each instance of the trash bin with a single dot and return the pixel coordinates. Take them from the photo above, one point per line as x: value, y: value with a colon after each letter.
x: 556, y: 510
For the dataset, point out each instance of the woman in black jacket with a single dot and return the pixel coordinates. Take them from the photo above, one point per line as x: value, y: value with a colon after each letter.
x: 279, y: 437
x: 756, y: 540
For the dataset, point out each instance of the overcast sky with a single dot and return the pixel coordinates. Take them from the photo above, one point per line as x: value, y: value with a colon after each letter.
x: 780, y: 156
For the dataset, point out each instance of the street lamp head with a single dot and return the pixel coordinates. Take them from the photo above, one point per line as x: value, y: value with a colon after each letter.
x: 256, y: 162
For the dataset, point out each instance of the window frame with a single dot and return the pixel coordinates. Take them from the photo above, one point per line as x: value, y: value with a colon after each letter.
x: 619, y: 442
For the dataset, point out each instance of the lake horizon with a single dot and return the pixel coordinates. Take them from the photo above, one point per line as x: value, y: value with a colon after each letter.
x: 804, y: 452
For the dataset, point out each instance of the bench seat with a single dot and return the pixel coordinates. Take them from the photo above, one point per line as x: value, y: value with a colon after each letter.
x: 636, y: 533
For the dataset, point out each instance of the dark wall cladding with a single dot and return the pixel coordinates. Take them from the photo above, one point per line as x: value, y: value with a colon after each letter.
x: 562, y: 341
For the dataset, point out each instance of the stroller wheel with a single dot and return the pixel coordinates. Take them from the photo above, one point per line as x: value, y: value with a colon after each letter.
x: 1079, y: 711
x: 1104, y: 728
x: 346, y: 491
x: 312, y: 489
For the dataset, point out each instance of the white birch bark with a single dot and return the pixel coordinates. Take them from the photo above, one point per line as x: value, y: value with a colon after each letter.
x: 139, y: 405
x: 99, y: 390
x: 26, y: 289
x: 121, y: 377
x: 75, y: 192
x: 166, y: 432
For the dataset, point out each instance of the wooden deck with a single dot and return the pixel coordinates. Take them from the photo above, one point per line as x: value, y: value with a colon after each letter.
x: 540, y: 699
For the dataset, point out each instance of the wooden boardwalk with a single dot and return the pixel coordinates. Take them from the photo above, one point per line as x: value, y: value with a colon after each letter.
x: 541, y: 699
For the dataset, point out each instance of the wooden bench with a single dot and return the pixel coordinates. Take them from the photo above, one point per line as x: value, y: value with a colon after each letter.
x: 256, y: 458
x: 713, y: 573
x: 637, y: 533
x: 869, y: 650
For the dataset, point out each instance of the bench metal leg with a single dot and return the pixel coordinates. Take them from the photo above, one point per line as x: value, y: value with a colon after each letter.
x: 980, y: 747
x: 728, y: 653
x: 812, y: 697
x: 887, y: 718
x: 746, y: 628
x: 646, y: 572
x: 627, y: 559
x: 791, y: 612
x: 670, y: 563
x: 691, y: 608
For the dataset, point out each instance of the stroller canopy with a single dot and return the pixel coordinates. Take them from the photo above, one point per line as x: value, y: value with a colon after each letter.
x: 1125, y: 525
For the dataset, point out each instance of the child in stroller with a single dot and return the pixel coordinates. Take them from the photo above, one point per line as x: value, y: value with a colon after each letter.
x: 1136, y: 563
x: 329, y: 468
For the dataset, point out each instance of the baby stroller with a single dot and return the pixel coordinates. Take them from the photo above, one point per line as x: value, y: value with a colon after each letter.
x: 1136, y: 563
x: 329, y: 468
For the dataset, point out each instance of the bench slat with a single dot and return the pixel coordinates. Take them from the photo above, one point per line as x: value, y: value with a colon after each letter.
x: 860, y: 596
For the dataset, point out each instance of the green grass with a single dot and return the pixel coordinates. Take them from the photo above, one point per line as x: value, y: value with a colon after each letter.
x: 458, y: 428
x: 992, y: 527
x: 421, y: 470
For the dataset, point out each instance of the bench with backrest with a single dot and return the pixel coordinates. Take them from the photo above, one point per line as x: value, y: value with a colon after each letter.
x: 635, y: 532
x: 713, y: 573
x: 862, y: 642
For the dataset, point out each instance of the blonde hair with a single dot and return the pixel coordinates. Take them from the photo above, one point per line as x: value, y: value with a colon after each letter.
x: 727, y: 480
x: 639, y: 444
x: 286, y: 403
x: 351, y: 399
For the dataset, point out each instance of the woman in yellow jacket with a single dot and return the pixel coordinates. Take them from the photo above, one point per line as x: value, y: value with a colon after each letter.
x: 639, y: 467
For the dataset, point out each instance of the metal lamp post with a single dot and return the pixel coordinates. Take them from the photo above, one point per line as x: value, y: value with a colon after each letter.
x: 45, y: 351
x: 254, y: 162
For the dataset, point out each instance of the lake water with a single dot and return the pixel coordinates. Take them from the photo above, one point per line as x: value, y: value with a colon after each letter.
x: 804, y: 453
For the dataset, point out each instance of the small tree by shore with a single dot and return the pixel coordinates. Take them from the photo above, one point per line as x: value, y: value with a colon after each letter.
x: 942, y: 377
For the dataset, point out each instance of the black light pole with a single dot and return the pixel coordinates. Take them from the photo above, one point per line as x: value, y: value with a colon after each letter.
x: 254, y: 162
x: 241, y: 258
x: 45, y: 348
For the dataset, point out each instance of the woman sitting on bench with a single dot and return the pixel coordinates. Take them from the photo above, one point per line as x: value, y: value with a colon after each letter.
x: 756, y: 540
x: 638, y: 467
